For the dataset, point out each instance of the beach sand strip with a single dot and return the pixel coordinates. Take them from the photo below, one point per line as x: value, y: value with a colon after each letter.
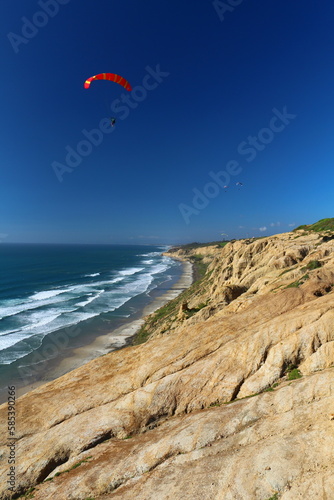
x: 116, y: 339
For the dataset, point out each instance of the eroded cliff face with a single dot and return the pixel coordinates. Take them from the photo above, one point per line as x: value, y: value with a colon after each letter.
x: 166, y: 419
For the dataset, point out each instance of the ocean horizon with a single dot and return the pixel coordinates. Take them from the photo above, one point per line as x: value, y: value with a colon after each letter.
x: 57, y: 297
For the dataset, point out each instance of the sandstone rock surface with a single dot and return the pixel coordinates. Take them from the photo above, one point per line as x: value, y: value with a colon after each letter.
x: 166, y: 419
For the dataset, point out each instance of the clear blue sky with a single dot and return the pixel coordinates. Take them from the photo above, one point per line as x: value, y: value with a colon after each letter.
x: 228, y: 69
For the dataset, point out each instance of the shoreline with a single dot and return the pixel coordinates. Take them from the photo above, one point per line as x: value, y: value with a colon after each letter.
x: 114, y: 340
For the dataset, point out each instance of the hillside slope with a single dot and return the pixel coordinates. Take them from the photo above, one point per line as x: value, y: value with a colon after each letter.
x: 173, y: 418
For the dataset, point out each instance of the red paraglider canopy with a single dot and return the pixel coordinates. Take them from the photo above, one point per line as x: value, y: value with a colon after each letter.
x: 109, y: 76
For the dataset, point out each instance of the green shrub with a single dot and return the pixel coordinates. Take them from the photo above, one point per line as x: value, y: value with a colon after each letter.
x: 313, y: 264
x: 294, y: 374
x: 299, y: 282
x: 29, y: 493
x: 194, y: 310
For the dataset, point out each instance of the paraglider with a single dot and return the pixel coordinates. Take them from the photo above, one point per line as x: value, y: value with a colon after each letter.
x: 111, y: 77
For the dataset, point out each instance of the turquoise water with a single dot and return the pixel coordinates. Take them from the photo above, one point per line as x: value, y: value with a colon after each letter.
x: 55, y: 297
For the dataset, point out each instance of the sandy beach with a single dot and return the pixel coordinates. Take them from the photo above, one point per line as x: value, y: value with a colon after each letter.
x: 116, y: 339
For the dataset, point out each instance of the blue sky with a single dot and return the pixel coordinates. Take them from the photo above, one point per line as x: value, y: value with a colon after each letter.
x: 248, y: 87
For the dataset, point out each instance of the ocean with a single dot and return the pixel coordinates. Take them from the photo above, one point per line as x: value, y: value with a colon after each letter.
x: 54, y: 298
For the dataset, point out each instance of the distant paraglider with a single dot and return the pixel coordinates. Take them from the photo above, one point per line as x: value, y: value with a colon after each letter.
x: 239, y: 185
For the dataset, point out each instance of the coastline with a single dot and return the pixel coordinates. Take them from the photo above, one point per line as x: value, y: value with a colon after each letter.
x: 117, y: 339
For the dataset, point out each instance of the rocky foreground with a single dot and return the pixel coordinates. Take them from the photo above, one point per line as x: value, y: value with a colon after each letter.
x: 230, y: 397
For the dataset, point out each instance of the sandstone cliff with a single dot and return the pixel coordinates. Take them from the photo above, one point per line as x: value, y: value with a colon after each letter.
x: 230, y: 397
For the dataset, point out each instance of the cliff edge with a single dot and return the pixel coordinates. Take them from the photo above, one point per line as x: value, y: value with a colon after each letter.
x: 229, y: 396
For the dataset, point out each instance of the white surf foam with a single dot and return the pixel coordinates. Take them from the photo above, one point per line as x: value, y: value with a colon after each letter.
x: 50, y: 310
x: 91, y: 299
x: 48, y: 294
x: 130, y: 271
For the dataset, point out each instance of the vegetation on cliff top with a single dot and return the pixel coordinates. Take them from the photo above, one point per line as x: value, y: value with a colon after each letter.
x: 193, y: 246
x: 321, y: 225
